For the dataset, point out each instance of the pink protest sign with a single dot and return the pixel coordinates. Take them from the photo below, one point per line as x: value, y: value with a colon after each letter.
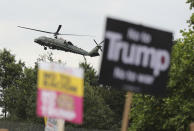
x: 60, y: 95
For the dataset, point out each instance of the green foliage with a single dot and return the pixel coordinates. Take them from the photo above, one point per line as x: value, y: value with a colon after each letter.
x: 21, y: 98
x: 115, y: 99
x: 176, y: 111
x: 96, y: 113
x: 10, y: 73
x: 145, y: 112
x: 46, y: 57
x: 191, y: 21
x: 191, y: 2
x: 19, y: 88
x: 89, y: 74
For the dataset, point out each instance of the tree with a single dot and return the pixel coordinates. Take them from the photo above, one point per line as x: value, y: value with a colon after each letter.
x: 23, y: 105
x: 10, y: 73
x: 175, y: 112
x: 89, y: 74
x: 20, y: 94
x: 191, y: 2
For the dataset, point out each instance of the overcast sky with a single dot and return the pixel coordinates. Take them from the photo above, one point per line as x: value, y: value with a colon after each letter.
x: 80, y: 17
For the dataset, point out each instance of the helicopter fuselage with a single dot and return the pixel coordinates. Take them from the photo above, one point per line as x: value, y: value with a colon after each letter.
x: 61, y: 44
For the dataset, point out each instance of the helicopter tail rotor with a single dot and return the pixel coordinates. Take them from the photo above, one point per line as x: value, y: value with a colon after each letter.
x: 99, y: 45
x: 94, y: 51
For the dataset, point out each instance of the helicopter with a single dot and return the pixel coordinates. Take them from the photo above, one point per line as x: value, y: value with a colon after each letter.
x: 62, y: 44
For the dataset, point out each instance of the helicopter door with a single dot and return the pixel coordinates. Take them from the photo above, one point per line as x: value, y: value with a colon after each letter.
x: 65, y: 42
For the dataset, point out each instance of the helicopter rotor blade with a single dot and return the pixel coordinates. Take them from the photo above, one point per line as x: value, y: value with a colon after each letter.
x: 36, y: 30
x: 101, y: 42
x: 55, y: 33
x: 96, y: 42
x: 58, y: 29
x: 75, y: 35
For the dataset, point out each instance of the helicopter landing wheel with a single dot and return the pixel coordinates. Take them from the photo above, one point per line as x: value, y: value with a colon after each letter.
x: 45, y: 48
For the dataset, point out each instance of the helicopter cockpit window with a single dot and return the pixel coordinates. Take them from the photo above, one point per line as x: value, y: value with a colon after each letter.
x: 42, y: 38
x: 69, y: 43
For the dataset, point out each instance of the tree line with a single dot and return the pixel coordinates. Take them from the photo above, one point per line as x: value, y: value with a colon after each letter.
x: 176, y: 111
x: 103, y: 106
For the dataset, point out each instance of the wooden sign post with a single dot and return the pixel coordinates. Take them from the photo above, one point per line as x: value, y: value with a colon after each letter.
x: 192, y: 127
x: 126, y: 113
x: 3, y: 129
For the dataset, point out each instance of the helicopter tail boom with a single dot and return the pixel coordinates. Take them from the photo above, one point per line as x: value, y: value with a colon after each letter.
x: 94, y: 52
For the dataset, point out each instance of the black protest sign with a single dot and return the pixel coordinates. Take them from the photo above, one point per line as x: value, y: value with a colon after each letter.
x: 135, y: 57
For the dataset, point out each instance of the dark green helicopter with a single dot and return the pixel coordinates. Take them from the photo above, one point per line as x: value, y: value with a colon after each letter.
x: 62, y: 44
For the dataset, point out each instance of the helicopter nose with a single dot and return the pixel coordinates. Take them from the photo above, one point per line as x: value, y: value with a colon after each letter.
x: 36, y: 40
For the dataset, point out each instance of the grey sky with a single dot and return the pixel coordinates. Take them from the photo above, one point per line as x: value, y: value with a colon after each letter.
x: 81, y: 17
